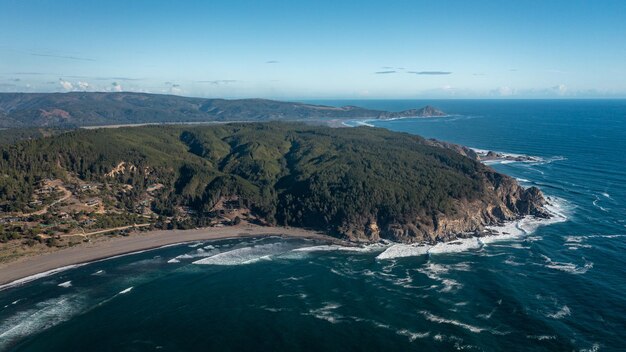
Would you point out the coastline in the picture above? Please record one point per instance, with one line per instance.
(26, 269)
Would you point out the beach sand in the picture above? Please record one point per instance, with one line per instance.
(95, 250)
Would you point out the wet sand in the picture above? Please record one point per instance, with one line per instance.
(87, 252)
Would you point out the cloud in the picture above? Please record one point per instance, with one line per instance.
(116, 87)
(83, 85)
(560, 89)
(174, 88)
(271, 62)
(430, 72)
(384, 72)
(504, 91)
(219, 81)
(63, 57)
(68, 86)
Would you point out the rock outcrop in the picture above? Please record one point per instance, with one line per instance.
(505, 200)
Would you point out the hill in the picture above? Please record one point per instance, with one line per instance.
(78, 109)
(356, 183)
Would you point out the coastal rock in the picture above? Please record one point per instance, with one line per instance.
(506, 201)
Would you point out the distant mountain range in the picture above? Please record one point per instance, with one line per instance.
(78, 109)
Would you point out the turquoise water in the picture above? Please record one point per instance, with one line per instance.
(559, 286)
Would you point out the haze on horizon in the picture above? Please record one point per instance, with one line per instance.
(321, 49)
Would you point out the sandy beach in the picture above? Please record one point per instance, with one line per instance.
(96, 250)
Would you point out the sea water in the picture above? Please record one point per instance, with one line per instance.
(556, 285)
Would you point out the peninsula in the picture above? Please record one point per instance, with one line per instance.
(356, 184)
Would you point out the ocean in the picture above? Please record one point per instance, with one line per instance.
(541, 286)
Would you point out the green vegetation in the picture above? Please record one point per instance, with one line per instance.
(93, 109)
(336, 180)
(14, 135)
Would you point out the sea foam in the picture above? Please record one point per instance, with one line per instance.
(245, 255)
(44, 315)
(39, 276)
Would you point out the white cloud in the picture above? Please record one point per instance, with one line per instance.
(116, 87)
(561, 89)
(66, 85)
(83, 85)
(504, 91)
(175, 89)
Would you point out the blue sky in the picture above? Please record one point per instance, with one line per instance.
(317, 49)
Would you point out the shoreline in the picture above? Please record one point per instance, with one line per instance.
(30, 268)
(18, 272)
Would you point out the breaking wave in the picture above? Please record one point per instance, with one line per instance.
(246, 255)
(44, 315)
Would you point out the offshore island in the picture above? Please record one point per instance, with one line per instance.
(77, 188)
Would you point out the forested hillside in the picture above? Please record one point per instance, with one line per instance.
(360, 183)
(78, 109)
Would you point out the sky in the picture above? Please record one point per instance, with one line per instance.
(317, 49)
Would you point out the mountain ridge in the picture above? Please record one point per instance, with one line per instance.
(83, 109)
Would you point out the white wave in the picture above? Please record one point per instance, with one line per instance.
(403, 250)
(507, 158)
(44, 315)
(557, 208)
(126, 290)
(412, 335)
(576, 242)
(561, 313)
(198, 253)
(594, 348)
(511, 261)
(511, 230)
(567, 267)
(606, 195)
(99, 272)
(456, 246)
(541, 337)
(326, 313)
(450, 285)
(487, 316)
(595, 204)
(431, 317)
(414, 250)
(39, 276)
(245, 255)
(327, 248)
(434, 271)
(65, 284)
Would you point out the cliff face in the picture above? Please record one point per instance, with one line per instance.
(504, 200)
